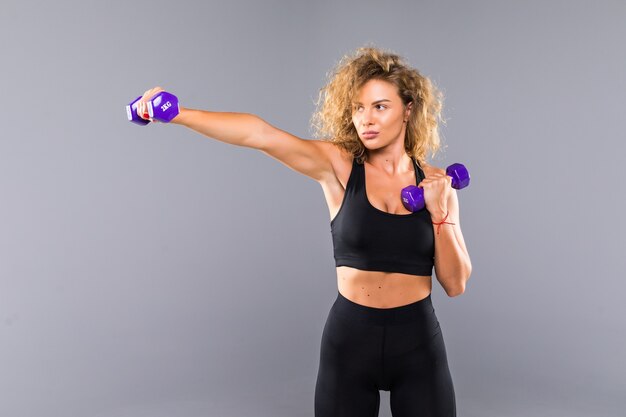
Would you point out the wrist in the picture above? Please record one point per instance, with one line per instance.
(439, 214)
(181, 116)
(441, 221)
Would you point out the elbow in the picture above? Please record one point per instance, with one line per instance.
(459, 289)
(455, 292)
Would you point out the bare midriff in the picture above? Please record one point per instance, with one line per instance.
(382, 289)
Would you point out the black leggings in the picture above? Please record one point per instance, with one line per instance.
(400, 349)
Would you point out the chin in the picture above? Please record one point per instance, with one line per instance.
(370, 142)
(373, 144)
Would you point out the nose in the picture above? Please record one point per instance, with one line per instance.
(366, 118)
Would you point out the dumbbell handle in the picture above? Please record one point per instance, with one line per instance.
(162, 107)
(413, 196)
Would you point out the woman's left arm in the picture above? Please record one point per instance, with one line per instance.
(452, 262)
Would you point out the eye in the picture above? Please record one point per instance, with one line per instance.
(381, 105)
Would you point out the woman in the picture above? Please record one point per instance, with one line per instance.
(379, 118)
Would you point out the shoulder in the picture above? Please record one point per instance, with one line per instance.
(335, 153)
(340, 159)
(331, 148)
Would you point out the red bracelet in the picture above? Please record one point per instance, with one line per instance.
(442, 222)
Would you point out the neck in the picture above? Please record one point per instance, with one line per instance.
(392, 162)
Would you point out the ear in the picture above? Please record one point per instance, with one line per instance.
(409, 106)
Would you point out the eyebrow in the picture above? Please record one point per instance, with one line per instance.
(374, 102)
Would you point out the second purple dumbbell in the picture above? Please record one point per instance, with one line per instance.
(162, 107)
(413, 196)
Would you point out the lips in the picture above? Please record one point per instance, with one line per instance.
(370, 134)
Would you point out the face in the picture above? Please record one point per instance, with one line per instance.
(379, 109)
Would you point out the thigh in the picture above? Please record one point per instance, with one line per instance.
(345, 384)
(422, 384)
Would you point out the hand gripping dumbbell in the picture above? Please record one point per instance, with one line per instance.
(162, 107)
(413, 196)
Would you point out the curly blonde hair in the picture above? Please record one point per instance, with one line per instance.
(332, 119)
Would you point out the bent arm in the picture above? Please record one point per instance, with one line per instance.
(453, 266)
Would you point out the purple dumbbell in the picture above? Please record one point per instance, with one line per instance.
(162, 107)
(413, 196)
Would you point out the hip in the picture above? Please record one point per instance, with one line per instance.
(355, 329)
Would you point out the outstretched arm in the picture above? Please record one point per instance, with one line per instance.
(308, 157)
(312, 158)
(233, 128)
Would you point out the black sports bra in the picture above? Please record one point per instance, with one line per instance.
(367, 238)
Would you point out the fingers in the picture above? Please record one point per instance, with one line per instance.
(142, 104)
(142, 110)
(434, 179)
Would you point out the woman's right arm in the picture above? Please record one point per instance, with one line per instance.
(232, 128)
(308, 157)
(312, 158)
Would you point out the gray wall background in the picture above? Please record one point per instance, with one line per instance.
(151, 271)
